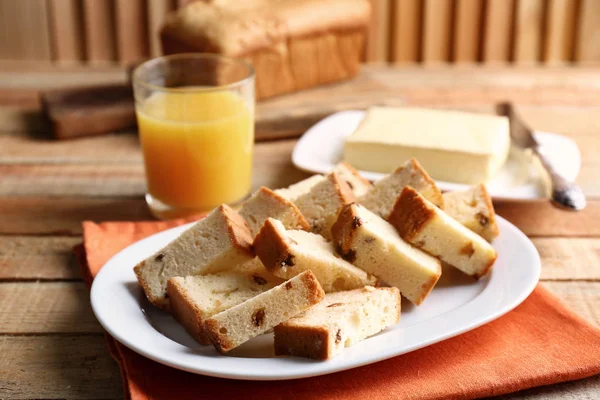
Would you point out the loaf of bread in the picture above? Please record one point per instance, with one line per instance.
(288, 253)
(359, 185)
(232, 327)
(216, 243)
(474, 209)
(372, 244)
(293, 44)
(381, 197)
(322, 204)
(340, 320)
(193, 299)
(265, 203)
(423, 224)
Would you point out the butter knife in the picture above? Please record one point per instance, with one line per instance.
(565, 193)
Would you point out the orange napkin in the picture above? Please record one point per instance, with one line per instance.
(539, 343)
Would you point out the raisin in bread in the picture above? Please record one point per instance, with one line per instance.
(265, 203)
(288, 253)
(372, 244)
(359, 185)
(382, 196)
(340, 320)
(298, 189)
(218, 242)
(232, 327)
(423, 224)
(474, 209)
(321, 205)
(193, 299)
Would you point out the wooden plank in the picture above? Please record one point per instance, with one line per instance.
(587, 49)
(25, 31)
(560, 31)
(48, 307)
(541, 218)
(406, 31)
(132, 39)
(66, 27)
(582, 389)
(38, 258)
(378, 35)
(63, 216)
(569, 258)
(437, 31)
(99, 24)
(582, 297)
(528, 31)
(467, 31)
(157, 9)
(58, 367)
(498, 31)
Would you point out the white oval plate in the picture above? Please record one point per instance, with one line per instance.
(456, 305)
(321, 147)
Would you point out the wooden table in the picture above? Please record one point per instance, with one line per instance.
(51, 346)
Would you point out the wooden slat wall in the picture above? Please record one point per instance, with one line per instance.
(401, 31)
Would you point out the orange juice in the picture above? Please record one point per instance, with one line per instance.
(197, 147)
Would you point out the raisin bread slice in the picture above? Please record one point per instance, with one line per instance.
(193, 299)
(474, 209)
(423, 224)
(340, 320)
(321, 205)
(288, 253)
(357, 183)
(298, 189)
(216, 243)
(265, 203)
(382, 196)
(232, 327)
(371, 243)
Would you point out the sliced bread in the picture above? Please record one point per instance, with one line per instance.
(286, 253)
(193, 299)
(474, 209)
(340, 320)
(216, 243)
(357, 183)
(298, 189)
(321, 205)
(266, 203)
(381, 197)
(423, 224)
(232, 327)
(372, 244)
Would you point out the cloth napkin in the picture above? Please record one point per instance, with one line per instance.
(539, 343)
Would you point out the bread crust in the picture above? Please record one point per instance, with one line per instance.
(490, 207)
(302, 342)
(238, 230)
(272, 247)
(409, 214)
(186, 312)
(344, 229)
(344, 191)
(437, 197)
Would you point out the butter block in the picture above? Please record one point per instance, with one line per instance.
(452, 146)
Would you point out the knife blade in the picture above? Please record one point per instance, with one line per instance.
(565, 193)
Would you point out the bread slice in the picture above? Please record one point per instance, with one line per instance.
(474, 209)
(216, 243)
(340, 320)
(382, 196)
(426, 226)
(288, 253)
(357, 183)
(266, 203)
(321, 205)
(232, 327)
(298, 189)
(195, 298)
(372, 244)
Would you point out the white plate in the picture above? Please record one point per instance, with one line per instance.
(321, 147)
(456, 305)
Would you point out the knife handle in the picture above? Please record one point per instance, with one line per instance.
(565, 193)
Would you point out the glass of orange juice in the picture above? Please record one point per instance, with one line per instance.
(195, 116)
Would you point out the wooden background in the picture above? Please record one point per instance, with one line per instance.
(92, 32)
(51, 345)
